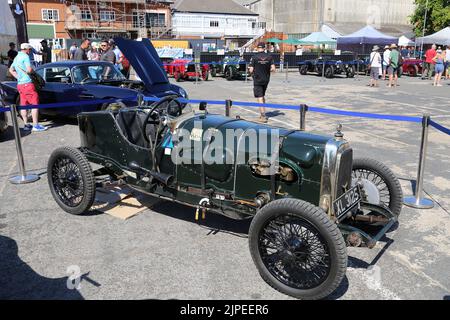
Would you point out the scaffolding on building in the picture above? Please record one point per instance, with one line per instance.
(109, 18)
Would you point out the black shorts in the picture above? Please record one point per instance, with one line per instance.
(259, 90)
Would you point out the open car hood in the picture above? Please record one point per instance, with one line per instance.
(146, 62)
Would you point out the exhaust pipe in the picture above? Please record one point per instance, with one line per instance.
(163, 178)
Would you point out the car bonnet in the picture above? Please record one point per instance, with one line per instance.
(146, 62)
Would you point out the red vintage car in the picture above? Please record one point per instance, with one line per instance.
(184, 69)
(412, 67)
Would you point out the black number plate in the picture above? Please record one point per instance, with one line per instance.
(346, 202)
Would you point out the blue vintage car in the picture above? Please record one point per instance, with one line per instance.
(74, 81)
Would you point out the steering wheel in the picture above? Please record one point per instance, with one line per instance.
(152, 112)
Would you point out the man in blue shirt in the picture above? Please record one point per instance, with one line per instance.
(20, 69)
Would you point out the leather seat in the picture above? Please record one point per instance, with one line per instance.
(131, 122)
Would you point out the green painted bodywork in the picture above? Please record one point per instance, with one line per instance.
(103, 143)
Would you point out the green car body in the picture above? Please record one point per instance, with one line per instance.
(232, 68)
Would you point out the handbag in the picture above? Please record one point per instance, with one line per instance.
(37, 80)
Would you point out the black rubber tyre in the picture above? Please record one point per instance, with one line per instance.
(413, 71)
(329, 72)
(213, 72)
(177, 76)
(390, 186)
(303, 70)
(68, 170)
(331, 244)
(350, 72)
(229, 74)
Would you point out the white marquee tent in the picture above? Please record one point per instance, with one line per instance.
(440, 37)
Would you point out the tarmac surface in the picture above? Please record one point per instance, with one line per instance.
(163, 253)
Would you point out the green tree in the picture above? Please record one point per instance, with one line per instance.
(438, 16)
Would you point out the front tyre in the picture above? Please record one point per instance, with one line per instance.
(297, 249)
(71, 180)
(380, 183)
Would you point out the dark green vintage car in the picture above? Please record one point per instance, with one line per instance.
(232, 68)
(307, 196)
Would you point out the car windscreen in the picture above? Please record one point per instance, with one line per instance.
(96, 73)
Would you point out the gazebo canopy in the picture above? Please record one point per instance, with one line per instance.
(440, 37)
(291, 41)
(404, 41)
(274, 40)
(367, 35)
(317, 38)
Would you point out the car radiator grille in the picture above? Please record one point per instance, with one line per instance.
(344, 174)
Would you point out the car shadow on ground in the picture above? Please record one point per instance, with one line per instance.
(8, 135)
(274, 114)
(20, 281)
(213, 223)
(54, 122)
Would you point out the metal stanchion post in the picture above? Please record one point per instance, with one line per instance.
(303, 109)
(246, 72)
(228, 104)
(417, 201)
(323, 71)
(23, 177)
(197, 72)
(287, 72)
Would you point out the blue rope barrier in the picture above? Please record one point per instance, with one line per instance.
(440, 127)
(4, 109)
(72, 104)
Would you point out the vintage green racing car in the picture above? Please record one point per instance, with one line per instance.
(308, 197)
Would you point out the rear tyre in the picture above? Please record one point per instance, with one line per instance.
(213, 72)
(71, 180)
(177, 76)
(350, 72)
(303, 70)
(329, 72)
(413, 71)
(297, 249)
(229, 74)
(380, 183)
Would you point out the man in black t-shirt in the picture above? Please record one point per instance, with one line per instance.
(12, 53)
(261, 66)
(46, 52)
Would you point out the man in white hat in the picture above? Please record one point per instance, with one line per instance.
(20, 69)
(386, 56)
(394, 60)
(375, 66)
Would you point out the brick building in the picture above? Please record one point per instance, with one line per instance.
(64, 19)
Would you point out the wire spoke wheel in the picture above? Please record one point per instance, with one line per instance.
(380, 184)
(297, 249)
(67, 181)
(294, 252)
(71, 180)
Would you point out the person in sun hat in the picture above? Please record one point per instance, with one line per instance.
(375, 66)
(20, 69)
(394, 59)
(386, 55)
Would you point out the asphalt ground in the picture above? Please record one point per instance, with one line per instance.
(163, 253)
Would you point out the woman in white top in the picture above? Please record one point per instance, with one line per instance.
(447, 63)
(386, 58)
(375, 66)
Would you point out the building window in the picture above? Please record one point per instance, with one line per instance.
(214, 23)
(90, 35)
(107, 15)
(259, 25)
(86, 15)
(50, 14)
(154, 19)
